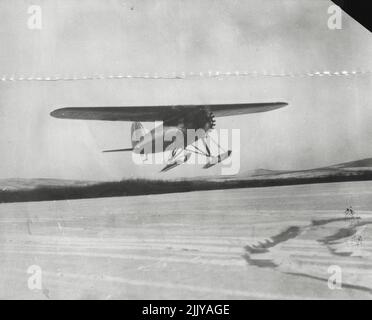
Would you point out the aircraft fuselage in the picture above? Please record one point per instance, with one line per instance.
(167, 138)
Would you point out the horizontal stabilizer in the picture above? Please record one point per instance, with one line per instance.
(118, 150)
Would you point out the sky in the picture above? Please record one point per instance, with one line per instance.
(327, 120)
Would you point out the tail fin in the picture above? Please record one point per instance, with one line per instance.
(137, 133)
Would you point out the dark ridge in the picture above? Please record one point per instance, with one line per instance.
(340, 234)
(316, 223)
(290, 233)
(345, 232)
(356, 164)
(135, 187)
(261, 263)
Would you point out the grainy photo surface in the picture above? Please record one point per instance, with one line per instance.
(173, 149)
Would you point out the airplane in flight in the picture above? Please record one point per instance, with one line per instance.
(178, 121)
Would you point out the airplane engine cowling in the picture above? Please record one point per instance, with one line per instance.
(210, 122)
(199, 120)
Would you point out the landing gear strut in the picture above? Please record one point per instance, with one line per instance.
(211, 159)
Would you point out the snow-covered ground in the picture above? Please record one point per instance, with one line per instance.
(274, 242)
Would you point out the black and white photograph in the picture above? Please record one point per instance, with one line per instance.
(184, 150)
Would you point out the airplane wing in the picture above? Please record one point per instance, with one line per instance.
(160, 113)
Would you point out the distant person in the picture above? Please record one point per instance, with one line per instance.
(349, 211)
